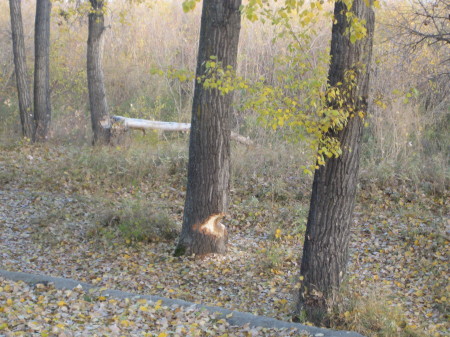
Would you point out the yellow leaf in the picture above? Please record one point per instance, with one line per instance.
(61, 303)
(278, 233)
(125, 323)
(162, 334)
(158, 304)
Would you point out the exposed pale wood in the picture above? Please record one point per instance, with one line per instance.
(241, 139)
(144, 124)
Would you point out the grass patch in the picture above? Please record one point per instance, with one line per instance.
(372, 315)
(136, 221)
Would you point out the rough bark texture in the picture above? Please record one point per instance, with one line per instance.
(325, 251)
(42, 108)
(209, 147)
(25, 103)
(101, 125)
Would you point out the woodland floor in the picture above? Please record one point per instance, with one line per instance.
(51, 223)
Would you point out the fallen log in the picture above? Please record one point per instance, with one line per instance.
(144, 124)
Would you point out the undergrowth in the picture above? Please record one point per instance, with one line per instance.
(140, 191)
(372, 315)
(135, 221)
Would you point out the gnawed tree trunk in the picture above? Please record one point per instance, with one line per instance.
(42, 105)
(101, 125)
(25, 103)
(325, 251)
(209, 147)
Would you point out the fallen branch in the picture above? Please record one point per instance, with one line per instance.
(144, 124)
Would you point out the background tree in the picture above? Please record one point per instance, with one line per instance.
(42, 105)
(25, 104)
(423, 22)
(420, 28)
(101, 125)
(410, 43)
(325, 251)
(209, 147)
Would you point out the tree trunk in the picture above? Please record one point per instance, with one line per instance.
(42, 107)
(325, 251)
(209, 147)
(101, 125)
(25, 103)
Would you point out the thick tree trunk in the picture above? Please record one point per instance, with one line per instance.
(101, 125)
(42, 107)
(209, 147)
(325, 251)
(25, 103)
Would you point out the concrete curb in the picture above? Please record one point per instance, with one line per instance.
(237, 318)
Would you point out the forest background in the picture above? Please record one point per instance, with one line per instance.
(149, 56)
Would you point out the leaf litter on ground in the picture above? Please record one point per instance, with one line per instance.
(48, 215)
(45, 311)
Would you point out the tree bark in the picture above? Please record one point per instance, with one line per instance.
(325, 251)
(209, 147)
(25, 103)
(42, 107)
(101, 125)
